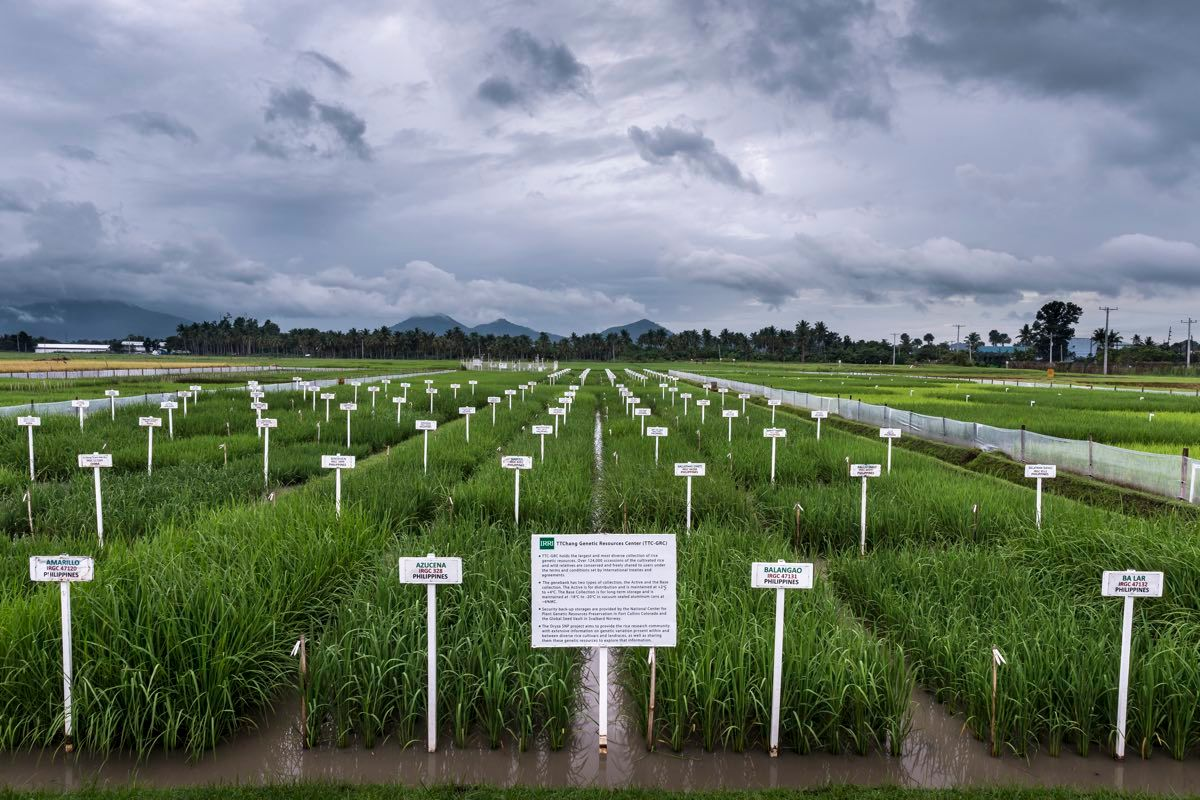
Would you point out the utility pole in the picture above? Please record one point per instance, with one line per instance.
(1189, 322)
(894, 335)
(1106, 310)
(958, 326)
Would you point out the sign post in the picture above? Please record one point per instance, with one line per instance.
(169, 406)
(641, 414)
(703, 404)
(195, 390)
(774, 434)
(779, 576)
(355, 384)
(349, 408)
(556, 412)
(730, 414)
(426, 425)
(516, 464)
(337, 464)
(150, 423)
(29, 423)
(467, 411)
(265, 424)
(456, 387)
(864, 471)
(1040, 472)
(432, 392)
(112, 395)
(95, 462)
(399, 401)
(818, 416)
(374, 390)
(259, 407)
(685, 396)
(689, 470)
(773, 404)
(889, 434)
(472, 384)
(656, 432)
(80, 405)
(185, 394)
(601, 591)
(743, 396)
(542, 431)
(431, 571)
(1128, 584)
(63, 570)
(509, 394)
(328, 396)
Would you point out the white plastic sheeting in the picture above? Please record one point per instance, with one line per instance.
(1151, 472)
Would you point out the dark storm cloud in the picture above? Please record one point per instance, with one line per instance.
(694, 150)
(77, 153)
(10, 202)
(335, 68)
(303, 121)
(814, 51)
(530, 70)
(1139, 60)
(156, 123)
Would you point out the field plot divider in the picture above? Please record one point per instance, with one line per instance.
(1151, 472)
(64, 406)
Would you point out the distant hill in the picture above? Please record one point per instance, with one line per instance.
(73, 320)
(635, 329)
(433, 323)
(440, 323)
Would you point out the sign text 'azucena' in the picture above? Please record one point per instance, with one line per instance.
(431, 569)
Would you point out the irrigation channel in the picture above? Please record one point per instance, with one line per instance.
(208, 692)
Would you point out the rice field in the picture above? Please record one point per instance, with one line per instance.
(206, 582)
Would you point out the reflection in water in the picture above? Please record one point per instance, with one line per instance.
(938, 754)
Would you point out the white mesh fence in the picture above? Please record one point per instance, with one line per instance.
(1167, 475)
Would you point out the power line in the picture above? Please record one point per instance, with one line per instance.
(958, 326)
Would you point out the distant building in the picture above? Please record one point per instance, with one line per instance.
(132, 346)
(995, 350)
(55, 347)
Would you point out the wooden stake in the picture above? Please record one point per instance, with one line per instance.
(650, 714)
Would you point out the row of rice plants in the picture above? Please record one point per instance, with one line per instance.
(368, 667)
(843, 689)
(185, 635)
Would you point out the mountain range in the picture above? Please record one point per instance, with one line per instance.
(73, 320)
(441, 323)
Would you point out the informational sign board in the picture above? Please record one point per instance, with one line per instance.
(94, 460)
(543, 430)
(427, 424)
(655, 430)
(603, 590)
(258, 406)
(431, 570)
(1132, 583)
(866, 470)
(60, 569)
(348, 406)
(729, 413)
(641, 412)
(517, 462)
(111, 393)
(29, 422)
(267, 422)
(466, 410)
(819, 414)
(774, 575)
(168, 405)
(150, 422)
(774, 433)
(686, 469)
(337, 462)
(328, 395)
(889, 433)
(80, 403)
(1041, 471)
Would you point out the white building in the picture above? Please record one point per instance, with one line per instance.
(54, 347)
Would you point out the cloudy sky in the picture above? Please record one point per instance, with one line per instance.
(884, 165)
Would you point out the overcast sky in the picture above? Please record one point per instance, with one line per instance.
(883, 165)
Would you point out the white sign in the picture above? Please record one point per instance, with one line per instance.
(29, 422)
(543, 430)
(889, 433)
(517, 462)
(328, 395)
(431, 570)
(259, 406)
(59, 569)
(168, 405)
(94, 460)
(466, 410)
(729, 413)
(1132, 583)
(774, 402)
(655, 430)
(603, 590)
(337, 462)
(702, 402)
(267, 422)
(819, 414)
(775, 433)
(1041, 471)
(348, 406)
(641, 412)
(111, 393)
(557, 412)
(775, 575)
(743, 396)
(427, 425)
(493, 399)
(688, 469)
(150, 422)
(80, 404)
(866, 470)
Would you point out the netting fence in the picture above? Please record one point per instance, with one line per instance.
(1167, 475)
